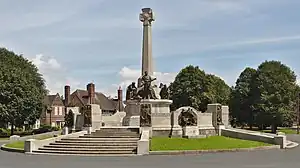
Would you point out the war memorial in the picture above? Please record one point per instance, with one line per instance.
(147, 114)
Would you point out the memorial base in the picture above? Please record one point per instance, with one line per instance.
(190, 131)
(160, 112)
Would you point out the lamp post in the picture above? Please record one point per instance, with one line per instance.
(298, 113)
(49, 110)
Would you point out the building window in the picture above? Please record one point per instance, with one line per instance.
(55, 110)
(60, 110)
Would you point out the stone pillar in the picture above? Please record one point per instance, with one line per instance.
(147, 17)
(91, 93)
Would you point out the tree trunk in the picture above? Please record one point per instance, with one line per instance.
(12, 129)
(274, 128)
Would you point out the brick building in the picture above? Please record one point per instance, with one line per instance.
(80, 98)
(54, 111)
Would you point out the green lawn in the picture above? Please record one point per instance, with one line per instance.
(213, 142)
(6, 138)
(20, 144)
(284, 130)
(16, 144)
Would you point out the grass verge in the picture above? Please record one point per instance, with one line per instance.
(16, 144)
(20, 144)
(210, 143)
(284, 130)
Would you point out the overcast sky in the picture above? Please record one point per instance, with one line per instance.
(80, 41)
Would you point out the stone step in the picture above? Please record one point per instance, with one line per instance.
(114, 133)
(95, 141)
(105, 153)
(119, 129)
(88, 149)
(99, 139)
(84, 154)
(95, 144)
(59, 147)
(109, 136)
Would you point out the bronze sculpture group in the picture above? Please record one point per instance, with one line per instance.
(187, 118)
(145, 90)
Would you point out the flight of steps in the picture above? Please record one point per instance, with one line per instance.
(107, 141)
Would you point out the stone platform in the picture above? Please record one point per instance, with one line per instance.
(160, 112)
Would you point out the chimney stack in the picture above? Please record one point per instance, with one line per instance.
(120, 98)
(120, 94)
(67, 95)
(91, 93)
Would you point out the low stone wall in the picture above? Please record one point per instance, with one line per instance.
(255, 136)
(113, 120)
(177, 131)
(32, 144)
(39, 135)
(209, 131)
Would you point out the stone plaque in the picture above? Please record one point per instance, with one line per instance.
(87, 115)
(145, 119)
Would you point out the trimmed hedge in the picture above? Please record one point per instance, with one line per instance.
(43, 129)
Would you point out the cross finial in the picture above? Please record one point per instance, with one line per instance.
(147, 16)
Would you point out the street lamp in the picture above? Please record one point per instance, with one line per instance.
(49, 110)
(298, 113)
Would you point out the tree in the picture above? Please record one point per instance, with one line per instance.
(275, 94)
(22, 90)
(192, 87)
(217, 88)
(241, 100)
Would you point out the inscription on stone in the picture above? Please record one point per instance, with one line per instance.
(145, 120)
(87, 115)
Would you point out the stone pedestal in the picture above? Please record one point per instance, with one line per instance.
(149, 129)
(65, 131)
(220, 127)
(190, 132)
(132, 117)
(96, 117)
(88, 129)
(160, 112)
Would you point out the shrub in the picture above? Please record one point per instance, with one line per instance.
(44, 129)
(4, 132)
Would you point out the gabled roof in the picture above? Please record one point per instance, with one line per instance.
(100, 99)
(48, 100)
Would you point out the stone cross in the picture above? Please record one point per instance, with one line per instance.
(147, 17)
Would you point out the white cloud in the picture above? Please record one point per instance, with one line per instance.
(54, 74)
(128, 75)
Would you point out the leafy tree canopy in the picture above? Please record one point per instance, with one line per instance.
(265, 97)
(22, 89)
(241, 98)
(192, 87)
(275, 87)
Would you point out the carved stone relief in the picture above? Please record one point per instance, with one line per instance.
(145, 119)
(187, 118)
(87, 115)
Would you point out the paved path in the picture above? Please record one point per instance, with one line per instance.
(256, 159)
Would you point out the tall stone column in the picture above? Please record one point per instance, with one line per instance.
(147, 17)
